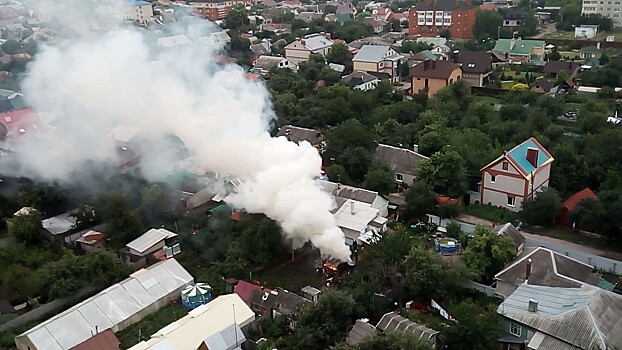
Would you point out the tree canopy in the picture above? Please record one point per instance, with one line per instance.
(488, 252)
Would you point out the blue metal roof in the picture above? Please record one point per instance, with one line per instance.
(519, 155)
(138, 3)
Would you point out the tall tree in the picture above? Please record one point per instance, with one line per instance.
(542, 209)
(26, 228)
(380, 180)
(394, 341)
(487, 24)
(488, 252)
(419, 200)
(476, 328)
(445, 171)
(339, 53)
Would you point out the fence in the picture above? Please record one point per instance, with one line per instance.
(488, 91)
(584, 43)
(464, 227)
(599, 262)
(482, 288)
(45, 309)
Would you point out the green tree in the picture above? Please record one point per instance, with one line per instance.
(380, 180)
(261, 241)
(588, 215)
(419, 200)
(12, 47)
(445, 171)
(124, 224)
(356, 160)
(542, 209)
(394, 341)
(339, 53)
(448, 210)
(476, 328)
(330, 9)
(350, 133)
(487, 24)
(337, 173)
(530, 25)
(26, 228)
(236, 18)
(562, 76)
(488, 253)
(404, 71)
(85, 216)
(322, 324)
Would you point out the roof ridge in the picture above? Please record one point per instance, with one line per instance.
(595, 324)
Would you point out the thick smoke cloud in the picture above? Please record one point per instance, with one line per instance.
(120, 76)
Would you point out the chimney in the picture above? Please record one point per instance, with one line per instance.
(528, 269)
(532, 156)
(598, 45)
(303, 42)
(416, 148)
(352, 209)
(426, 64)
(533, 306)
(328, 36)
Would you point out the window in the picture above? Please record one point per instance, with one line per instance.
(511, 201)
(492, 179)
(399, 177)
(426, 82)
(515, 329)
(504, 165)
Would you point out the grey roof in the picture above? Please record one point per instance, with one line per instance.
(399, 160)
(549, 268)
(339, 68)
(359, 332)
(267, 62)
(298, 134)
(393, 322)
(542, 341)
(229, 338)
(474, 62)
(512, 232)
(259, 49)
(545, 84)
(589, 49)
(348, 192)
(150, 238)
(373, 40)
(59, 224)
(308, 16)
(423, 55)
(288, 303)
(316, 42)
(358, 78)
(586, 317)
(371, 53)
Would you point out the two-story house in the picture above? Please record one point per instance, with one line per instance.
(519, 50)
(138, 11)
(402, 162)
(300, 49)
(476, 66)
(361, 81)
(517, 175)
(513, 18)
(264, 64)
(433, 76)
(377, 58)
(216, 9)
(540, 317)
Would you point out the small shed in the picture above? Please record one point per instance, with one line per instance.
(563, 218)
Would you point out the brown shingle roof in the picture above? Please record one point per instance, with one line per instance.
(553, 67)
(433, 70)
(549, 268)
(400, 160)
(298, 134)
(474, 62)
(105, 340)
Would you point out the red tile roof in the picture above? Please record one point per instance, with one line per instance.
(488, 7)
(21, 123)
(245, 289)
(571, 203)
(105, 340)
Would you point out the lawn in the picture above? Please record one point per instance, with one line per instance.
(569, 235)
(569, 54)
(507, 84)
(292, 276)
(491, 213)
(487, 100)
(150, 324)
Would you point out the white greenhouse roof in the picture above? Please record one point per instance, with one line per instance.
(108, 308)
(150, 238)
(215, 317)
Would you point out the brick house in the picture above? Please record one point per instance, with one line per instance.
(516, 175)
(216, 9)
(431, 17)
(434, 75)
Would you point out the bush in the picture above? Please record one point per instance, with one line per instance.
(448, 210)
(495, 214)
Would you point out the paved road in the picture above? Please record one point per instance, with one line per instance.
(607, 261)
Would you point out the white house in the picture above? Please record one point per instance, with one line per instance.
(377, 58)
(300, 49)
(361, 81)
(139, 11)
(585, 31)
(263, 64)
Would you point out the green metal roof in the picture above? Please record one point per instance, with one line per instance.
(518, 46)
(606, 285)
(223, 208)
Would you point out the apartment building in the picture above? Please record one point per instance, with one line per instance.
(431, 17)
(605, 8)
(216, 9)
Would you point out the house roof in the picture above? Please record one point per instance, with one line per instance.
(245, 289)
(20, 123)
(474, 62)
(393, 322)
(434, 69)
(109, 308)
(512, 232)
(345, 192)
(260, 49)
(360, 331)
(263, 298)
(298, 134)
(571, 203)
(358, 78)
(150, 238)
(443, 5)
(229, 338)
(363, 215)
(200, 198)
(91, 237)
(423, 55)
(174, 40)
(586, 317)
(105, 340)
(267, 62)
(371, 53)
(549, 268)
(288, 303)
(518, 157)
(545, 84)
(59, 224)
(519, 47)
(124, 133)
(589, 49)
(554, 67)
(373, 40)
(398, 159)
(315, 42)
(200, 324)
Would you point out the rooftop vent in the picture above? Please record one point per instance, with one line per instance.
(22, 131)
(533, 306)
(7, 118)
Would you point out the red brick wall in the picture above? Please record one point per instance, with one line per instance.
(461, 19)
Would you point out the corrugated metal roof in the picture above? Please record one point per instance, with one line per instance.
(359, 332)
(586, 317)
(371, 53)
(108, 308)
(392, 321)
(150, 238)
(59, 224)
(398, 159)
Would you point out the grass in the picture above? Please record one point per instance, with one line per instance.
(569, 235)
(487, 100)
(291, 275)
(491, 213)
(150, 324)
(569, 54)
(507, 84)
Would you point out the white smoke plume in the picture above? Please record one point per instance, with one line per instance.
(96, 81)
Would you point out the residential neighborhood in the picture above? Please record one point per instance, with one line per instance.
(300, 174)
